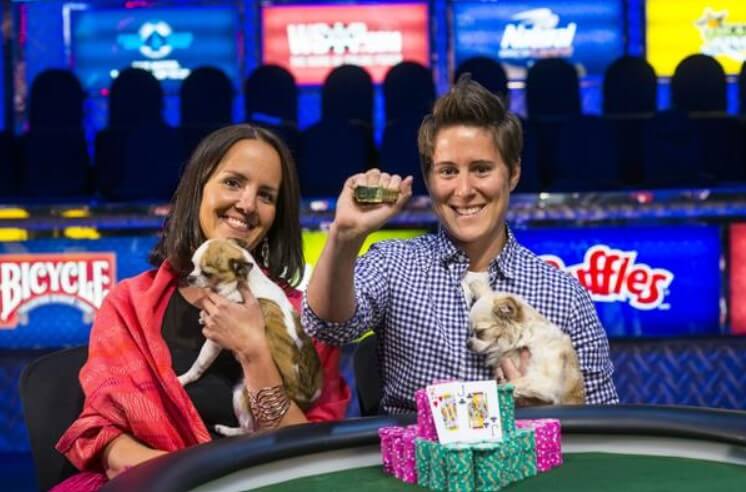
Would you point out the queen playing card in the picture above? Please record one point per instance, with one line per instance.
(466, 412)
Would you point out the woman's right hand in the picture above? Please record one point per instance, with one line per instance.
(354, 221)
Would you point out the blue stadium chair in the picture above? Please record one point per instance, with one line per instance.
(723, 146)
(488, 72)
(138, 156)
(630, 87)
(409, 93)
(52, 399)
(586, 158)
(206, 101)
(530, 181)
(552, 102)
(698, 85)
(673, 154)
(330, 152)
(271, 101)
(341, 143)
(552, 89)
(630, 90)
(8, 165)
(347, 95)
(53, 152)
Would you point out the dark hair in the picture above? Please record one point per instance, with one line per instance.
(470, 104)
(182, 234)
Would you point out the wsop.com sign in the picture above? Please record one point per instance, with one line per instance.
(28, 281)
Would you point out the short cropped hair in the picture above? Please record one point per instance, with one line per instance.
(468, 103)
(182, 233)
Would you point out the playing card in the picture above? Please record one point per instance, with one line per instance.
(466, 412)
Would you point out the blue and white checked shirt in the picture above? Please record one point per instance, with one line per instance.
(409, 292)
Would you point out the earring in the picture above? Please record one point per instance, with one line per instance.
(265, 252)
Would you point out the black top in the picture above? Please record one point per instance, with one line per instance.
(212, 394)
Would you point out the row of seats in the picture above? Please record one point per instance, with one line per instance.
(139, 157)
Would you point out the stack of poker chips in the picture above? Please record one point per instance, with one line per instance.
(507, 407)
(414, 455)
(425, 423)
(398, 452)
(548, 441)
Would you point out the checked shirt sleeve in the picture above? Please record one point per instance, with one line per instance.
(371, 297)
(590, 342)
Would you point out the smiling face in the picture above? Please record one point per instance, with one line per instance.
(470, 187)
(239, 200)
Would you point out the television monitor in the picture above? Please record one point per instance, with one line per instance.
(589, 33)
(675, 30)
(310, 40)
(169, 42)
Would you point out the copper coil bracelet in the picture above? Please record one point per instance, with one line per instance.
(268, 406)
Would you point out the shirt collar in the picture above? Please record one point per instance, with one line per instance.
(448, 252)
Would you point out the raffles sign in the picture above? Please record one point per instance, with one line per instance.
(31, 280)
(310, 41)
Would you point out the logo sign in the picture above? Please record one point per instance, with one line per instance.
(169, 42)
(28, 281)
(721, 37)
(655, 281)
(310, 41)
(536, 34)
(675, 30)
(612, 275)
(155, 40)
(588, 33)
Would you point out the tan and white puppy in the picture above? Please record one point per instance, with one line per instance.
(503, 325)
(220, 264)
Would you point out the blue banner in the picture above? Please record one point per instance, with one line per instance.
(50, 289)
(657, 281)
(588, 33)
(167, 42)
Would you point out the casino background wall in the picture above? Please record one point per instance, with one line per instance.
(676, 340)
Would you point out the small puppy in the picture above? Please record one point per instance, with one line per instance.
(503, 324)
(220, 264)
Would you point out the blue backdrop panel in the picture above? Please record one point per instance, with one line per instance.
(587, 32)
(55, 324)
(167, 41)
(688, 305)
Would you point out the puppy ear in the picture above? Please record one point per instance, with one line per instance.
(507, 308)
(240, 267)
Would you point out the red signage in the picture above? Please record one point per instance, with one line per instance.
(30, 280)
(738, 278)
(310, 41)
(612, 275)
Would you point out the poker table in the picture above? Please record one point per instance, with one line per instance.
(606, 448)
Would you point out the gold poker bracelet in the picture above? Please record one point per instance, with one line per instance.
(375, 194)
(268, 406)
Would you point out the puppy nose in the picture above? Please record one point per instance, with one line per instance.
(191, 279)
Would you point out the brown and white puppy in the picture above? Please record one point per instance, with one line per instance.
(220, 264)
(503, 325)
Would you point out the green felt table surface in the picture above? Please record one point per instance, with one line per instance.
(598, 472)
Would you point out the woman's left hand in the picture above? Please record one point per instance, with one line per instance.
(239, 328)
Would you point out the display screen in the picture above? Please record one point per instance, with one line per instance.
(645, 281)
(310, 40)
(737, 283)
(675, 30)
(169, 42)
(590, 34)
